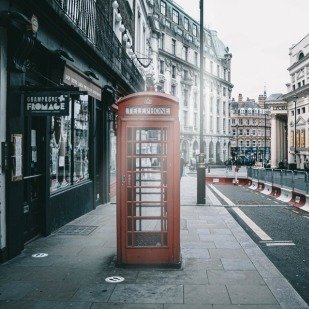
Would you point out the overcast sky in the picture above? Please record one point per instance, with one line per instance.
(259, 34)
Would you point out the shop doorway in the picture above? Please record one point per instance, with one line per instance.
(34, 177)
(99, 154)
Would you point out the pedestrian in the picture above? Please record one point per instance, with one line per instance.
(306, 165)
(182, 166)
(236, 174)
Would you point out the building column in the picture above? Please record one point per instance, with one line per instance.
(273, 143)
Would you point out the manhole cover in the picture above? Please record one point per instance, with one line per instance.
(114, 279)
(39, 255)
(76, 230)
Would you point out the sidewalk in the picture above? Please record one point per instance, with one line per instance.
(222, 267)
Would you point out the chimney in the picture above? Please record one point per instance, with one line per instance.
(240, 97)
(262, 99)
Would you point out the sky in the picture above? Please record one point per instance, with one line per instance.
(259, 34)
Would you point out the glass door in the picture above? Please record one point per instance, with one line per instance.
(147, 187)
(33, 177)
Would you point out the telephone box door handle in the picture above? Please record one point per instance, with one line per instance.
(123, 179)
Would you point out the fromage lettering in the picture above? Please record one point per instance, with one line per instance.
(48, 104)
(45, 106)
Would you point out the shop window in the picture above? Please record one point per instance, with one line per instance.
(69, 146)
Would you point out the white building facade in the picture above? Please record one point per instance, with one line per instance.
(297, 100)
(176, 71)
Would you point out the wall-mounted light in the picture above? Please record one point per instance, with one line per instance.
(12, 16)
(91, 74)
(64, 54)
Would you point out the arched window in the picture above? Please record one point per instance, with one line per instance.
(301, 56)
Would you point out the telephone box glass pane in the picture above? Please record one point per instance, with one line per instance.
(147, 187)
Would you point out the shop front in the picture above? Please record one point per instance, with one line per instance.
(58, 150)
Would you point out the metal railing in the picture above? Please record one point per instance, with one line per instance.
(287, 179)
(91, 19)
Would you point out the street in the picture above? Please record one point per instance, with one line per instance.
(287, 228)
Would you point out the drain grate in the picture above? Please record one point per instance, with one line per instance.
(76, 230)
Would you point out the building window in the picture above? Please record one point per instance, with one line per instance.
(173, 90)
(253, 143)
(186, 23)
(185, 99)
(211, 104)
(173, 46)
(195, 58)
(195, 99)
(195, 80)
(195, 121)
(162, 41)
(69, 146)
(248, 132)
(185, 53)
(248, 143)
(175, 16)
(163, 8)
(161, 66)
(218, 106)
(211, 67)
(168, 24)
(240, 131)
(292, 113)
(185, 118)
(194, 30)
(218, 70)
(303, 110)
(185, 75)
(173, 71)
(253, 132)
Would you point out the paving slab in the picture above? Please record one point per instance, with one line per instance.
(206, 294)
(147, 293)
(250, 294)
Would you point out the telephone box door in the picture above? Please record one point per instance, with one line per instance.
(148, 205)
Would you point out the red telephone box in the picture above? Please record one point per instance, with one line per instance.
(148, 180)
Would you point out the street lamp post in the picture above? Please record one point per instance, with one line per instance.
(236, 143)
(295, 97)
(201, 159)
(265, 114)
